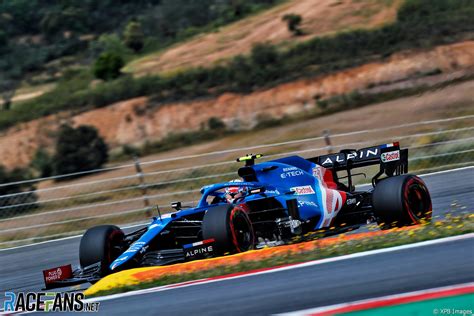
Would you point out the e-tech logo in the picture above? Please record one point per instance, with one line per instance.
(291, 172)
(47, 302)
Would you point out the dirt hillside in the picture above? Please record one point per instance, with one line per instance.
(320, 17)
(136, 120)
(451, 101)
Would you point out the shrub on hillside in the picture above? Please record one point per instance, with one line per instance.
(133, 36)
(293, 21)
(108, 65)
(79, 149)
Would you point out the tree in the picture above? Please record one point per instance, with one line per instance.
(110, 43)
(15, 198)
(108, 66)
(79, 149)
(293, 21)
(133, 36)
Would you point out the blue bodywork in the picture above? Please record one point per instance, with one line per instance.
(278, 177)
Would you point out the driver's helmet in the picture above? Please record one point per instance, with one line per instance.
(233, 193)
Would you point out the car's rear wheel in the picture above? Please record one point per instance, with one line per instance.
(401, 201)
(230, 227)
(101, 244)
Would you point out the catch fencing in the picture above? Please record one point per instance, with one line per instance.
(129, 193)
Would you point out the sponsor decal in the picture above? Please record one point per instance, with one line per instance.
(199, 249)
(303, 190)
(290, 174)
(368, 153)
(56, 274)
(272, 191)
(307, 203)
(330, 160)
(47, 302)
(136, 246)
(390, 156)
(362, 154)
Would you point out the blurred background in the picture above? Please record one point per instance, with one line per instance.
(109, 108)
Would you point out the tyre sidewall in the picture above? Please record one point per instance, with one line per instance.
(390, 203)
(97, 245)
(218, 224)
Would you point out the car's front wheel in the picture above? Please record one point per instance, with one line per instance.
(230, 227)
(100, 244)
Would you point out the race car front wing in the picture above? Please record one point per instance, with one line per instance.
(64, 276)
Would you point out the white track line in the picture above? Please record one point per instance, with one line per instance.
(335, 307)
(65, 238)
(296, 266)
(71, 237)
(446, 171)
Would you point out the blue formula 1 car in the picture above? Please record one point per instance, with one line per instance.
(274, 202)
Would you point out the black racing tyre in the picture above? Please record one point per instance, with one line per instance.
(230, 227)
(401, 201)
(100, 244)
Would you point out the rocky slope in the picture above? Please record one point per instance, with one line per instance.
(136, 120)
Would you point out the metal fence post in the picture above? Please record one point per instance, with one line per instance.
(142, 184)
(327, 140)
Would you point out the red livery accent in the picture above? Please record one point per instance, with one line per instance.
(56, 274)
(397, 300)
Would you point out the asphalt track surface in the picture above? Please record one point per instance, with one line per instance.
(20, 269)
(307, 287)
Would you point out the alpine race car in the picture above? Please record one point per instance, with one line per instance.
(274, 202)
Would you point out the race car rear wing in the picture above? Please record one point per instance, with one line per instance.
(390, 157)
